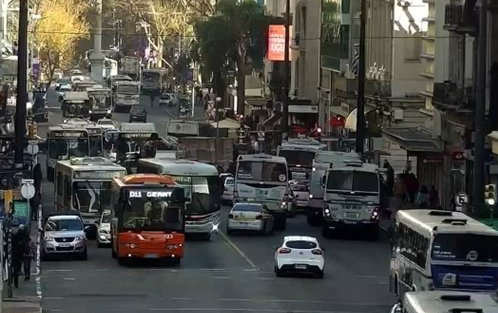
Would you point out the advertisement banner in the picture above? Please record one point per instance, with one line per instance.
(477, 278)
(276, 43)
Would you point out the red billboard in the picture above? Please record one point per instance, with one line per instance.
(276, 43)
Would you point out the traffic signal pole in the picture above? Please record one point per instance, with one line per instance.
(478, 178)
(360, 106)
(285, 106)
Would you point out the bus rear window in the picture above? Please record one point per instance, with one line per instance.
(465, 247)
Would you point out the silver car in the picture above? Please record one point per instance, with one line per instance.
(104, 229)
(250, 217)
(63, 235)
(227, 196)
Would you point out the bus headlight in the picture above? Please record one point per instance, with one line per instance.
(310, 196)
(283, 205)
(327, 212)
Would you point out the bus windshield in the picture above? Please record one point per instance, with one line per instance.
(128, 89)
(465, 248)
(262, 171)
(205, 193)
(358, 181)
(303, 158)
(64, 148)
(96, 145)
(153, 210)
(92, 196)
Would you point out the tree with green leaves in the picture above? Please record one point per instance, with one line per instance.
(234, 37)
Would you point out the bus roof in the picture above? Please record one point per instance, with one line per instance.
(145, 179)
(65, 127)
(356, 165)
(262, 157)
(302, 144)
(429, 221)
(327, 157)
(138, 127)
(181, 167)
(126, 83)
(98, 89)
(449, 301)
(75, 96)
(90, 164)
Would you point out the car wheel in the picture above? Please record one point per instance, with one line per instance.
(122, 261)
(99, 245)
(229, 232)
(84, 255)
(278, 272)
(207, 237)
(319, 274)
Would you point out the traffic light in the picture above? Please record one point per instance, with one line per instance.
(490, 194)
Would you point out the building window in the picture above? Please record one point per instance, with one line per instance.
(346, 7)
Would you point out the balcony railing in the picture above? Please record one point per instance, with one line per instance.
(377, 88)
(448, 95)
(461, 19)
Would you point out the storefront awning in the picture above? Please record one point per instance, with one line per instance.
(414, 140)
(338, 110)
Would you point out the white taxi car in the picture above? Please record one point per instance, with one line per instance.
(299, 254)
(249, 217)
(104, 229)
(227, 196)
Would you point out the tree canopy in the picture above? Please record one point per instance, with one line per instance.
(56, 34)
(232, 38)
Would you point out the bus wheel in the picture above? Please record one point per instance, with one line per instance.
(176, 261)
(50, 174)
(280, 222)
(113, 253)
(122, 261)
(207, 237)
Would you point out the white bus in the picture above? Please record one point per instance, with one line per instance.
(84, 184)
(322, 162)
(299, 154)
(444, 301)
(352, 198)
(202, 184)
(263, 178)
(442, 250)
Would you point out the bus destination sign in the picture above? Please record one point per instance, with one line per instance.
(94, 131)
(96, 175)
(136, 135)
(68, 133)
(149, 194)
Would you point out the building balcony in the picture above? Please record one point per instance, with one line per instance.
(448, 96)
(461, 19)
(377, 88)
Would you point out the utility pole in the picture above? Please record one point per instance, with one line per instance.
(97, 57)
(22, 85)
(478, 179)
(360, 105)
(285, 107)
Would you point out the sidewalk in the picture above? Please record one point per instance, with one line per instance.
(27, 298)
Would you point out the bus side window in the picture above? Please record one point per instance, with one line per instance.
(59, 183)
(67, 192)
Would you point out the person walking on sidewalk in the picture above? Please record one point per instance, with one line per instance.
(28, 257)
(20, 241)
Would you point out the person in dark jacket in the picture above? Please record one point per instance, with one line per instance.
(20, 242)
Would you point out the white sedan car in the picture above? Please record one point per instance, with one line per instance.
(299, 254)
(104, 230)
(249, 217)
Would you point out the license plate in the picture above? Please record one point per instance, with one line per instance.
(352, 207)
(300, 266)
(351, 215)
(65, 245)
(151, 256)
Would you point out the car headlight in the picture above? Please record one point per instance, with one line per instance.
(109, 111)
(49, 238)
(80, 237)
(90, 111)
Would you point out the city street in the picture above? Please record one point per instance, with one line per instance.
(227, 274)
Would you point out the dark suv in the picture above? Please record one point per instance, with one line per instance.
(138, 113)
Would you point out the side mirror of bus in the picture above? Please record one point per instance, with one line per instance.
(324, 178)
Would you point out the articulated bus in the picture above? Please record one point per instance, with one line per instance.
(262, 178)
(65, 141)
(321, 163)
(442, 250)
(202, 184)
(299, 153)
(147, 218)
(84, 184)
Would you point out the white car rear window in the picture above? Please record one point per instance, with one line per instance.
(301, 244)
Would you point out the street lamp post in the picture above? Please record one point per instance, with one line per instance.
(217, 106)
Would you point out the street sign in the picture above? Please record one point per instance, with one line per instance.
(27, 181)
(28, 191)
(461, 198)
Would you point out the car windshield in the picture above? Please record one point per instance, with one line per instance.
(154, 210)
(105, 122)
(245, 207)
(106, 219)
(70, 224)
(303, 158)
(64, 81)
(465, 248)
(205, 193)
(91, 196)
(262, 171)
(358, 181)
(61, 149)
(128, 89)
(301, 244)
(138, 109)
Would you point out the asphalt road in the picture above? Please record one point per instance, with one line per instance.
(227, 274)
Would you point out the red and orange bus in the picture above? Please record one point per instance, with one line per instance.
(147, 218)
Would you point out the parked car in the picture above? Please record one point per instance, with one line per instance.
(227, 196)
(138, 113)
(64, 234)
(104, 229)
(299, 254)
(250, 217)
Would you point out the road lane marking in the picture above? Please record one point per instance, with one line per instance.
(69, 278)
(181, 299)
(53, 298)
(220, 277)
(232, 245)
(59, 271)
(283, 301)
